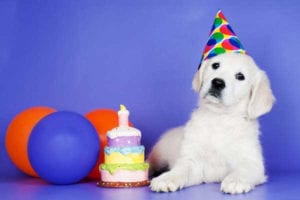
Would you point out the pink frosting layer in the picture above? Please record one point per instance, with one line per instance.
(124, 176)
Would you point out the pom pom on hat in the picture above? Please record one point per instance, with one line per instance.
(222, 39)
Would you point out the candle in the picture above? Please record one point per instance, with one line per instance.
(123, 116)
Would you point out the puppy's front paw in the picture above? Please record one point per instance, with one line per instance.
(167, 182)
(232, 184)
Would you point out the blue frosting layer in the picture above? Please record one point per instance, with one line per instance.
(124, 150)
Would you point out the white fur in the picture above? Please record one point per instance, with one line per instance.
(220, 142)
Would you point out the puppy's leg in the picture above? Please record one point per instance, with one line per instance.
(186, 171)
(165, 152)
(237, 182)
(244, 178)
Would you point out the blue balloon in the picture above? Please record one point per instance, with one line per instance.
(63, 147)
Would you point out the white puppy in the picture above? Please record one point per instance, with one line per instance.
(220, 143)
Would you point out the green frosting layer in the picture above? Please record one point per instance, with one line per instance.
(114, 167)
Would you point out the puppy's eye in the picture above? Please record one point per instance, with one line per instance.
(239, 76)
(215, 65)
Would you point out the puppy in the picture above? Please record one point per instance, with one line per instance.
(220, 142)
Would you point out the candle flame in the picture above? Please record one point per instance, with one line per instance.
(122, 107)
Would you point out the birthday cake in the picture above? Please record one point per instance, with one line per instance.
(124, 157)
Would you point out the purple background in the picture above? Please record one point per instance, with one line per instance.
(88, 54)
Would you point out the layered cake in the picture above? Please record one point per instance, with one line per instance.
(124, 157)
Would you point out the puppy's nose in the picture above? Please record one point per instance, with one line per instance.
(218, 83)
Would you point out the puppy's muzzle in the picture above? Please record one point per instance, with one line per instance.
(217, 85)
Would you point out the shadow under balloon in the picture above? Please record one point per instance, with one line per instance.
(36, 188)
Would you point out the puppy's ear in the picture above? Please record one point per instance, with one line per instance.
(198, 78)
(261, 97)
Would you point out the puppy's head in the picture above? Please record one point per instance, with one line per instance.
(232, 79)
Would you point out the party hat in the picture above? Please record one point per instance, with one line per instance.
(222, 39)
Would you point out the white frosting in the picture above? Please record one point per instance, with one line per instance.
(122, 131)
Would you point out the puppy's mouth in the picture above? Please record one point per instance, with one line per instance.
(215, 93)
(213, 96)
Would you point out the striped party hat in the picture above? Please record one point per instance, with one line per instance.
(222, 39)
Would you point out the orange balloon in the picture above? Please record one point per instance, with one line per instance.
(17, 136)
(103, 120)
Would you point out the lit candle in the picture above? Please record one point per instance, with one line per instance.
(123, 116)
